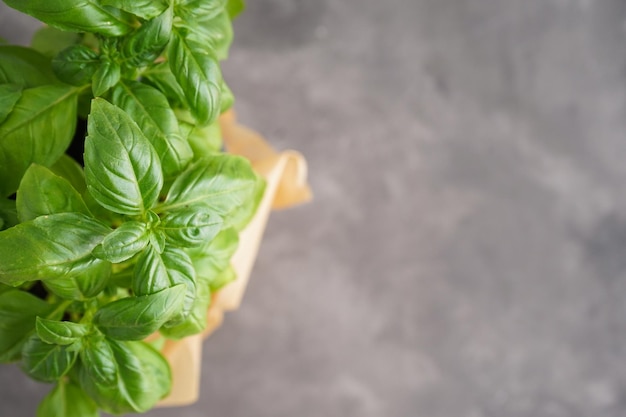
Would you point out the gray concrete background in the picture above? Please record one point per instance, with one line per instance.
(465, 254)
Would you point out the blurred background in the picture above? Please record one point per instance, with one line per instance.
(465, 255)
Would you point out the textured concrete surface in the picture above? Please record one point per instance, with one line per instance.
(465, 255)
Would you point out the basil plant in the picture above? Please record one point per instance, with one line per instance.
(119, 210)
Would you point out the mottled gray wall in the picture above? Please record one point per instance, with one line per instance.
(465, 254)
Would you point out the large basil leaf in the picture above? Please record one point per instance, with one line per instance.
(69, 169)
(18, 311)
(206, 9)
(98, 360)
(50, 41)
(76, 15)
(161, 77)
(122, 169)
(67, 400)
(9, 95)
(76, 64)
(49, 246)
(39, 129)
(46, 362)
(92, 278)
(150, 110)
(222, 184)
(146, 9)
(140, 375)
(42, 192)
(191, 227)
(135, 318)
(156, 271)
(216, 33)
(125, 241)
(60, 332)
(24, 67)
(146, 43)
(198, 73)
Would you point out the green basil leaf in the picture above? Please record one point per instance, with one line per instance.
(39, 129)
(146, 44)
(204, 140)
(105, 77)
(215, 32)
(206, 9)
(191, 227)
(67, 400)
(196, 320)
(150, 110)
(156, 271)
(76, 15)
(24, 67)
(223, 278)
(42, 192)
(124, 243)
(122, 168)
(69, 169)
(161, 77)
(141, 378)
(81, 285)
(146, 9)
(9, 95)
(222, 184)
(46, 362)
(18, 311)
(135, 318)
(235, 7)
(98, 361)
(212, 259)
(8, 213)
(49, 246)
(76, 64)
(227, 98)
(60, 332)
(198, 73)
(50, 41)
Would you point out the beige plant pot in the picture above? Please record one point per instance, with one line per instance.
(285, 173)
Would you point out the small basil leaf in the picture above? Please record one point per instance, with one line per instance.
(142, 378)
(222, 184)
(98, 361)
(135, 318)
(212, 259)
(227, 98)
(49, 246)
(124, 243)
(224, 278)
(67, 400)
(50, 41)
(24, 67)
(46, 362)
(235, 7)
(81, 285)
(215, 32)
(60, 332)
(39, 129)
(150, 110)
(76, 64)
(18, 311)
(196, 320)
(105, 77)
(76, 16)
(204, 140)
(146, 44)
(161, 77)
(191, 227)
(146, 9)
(156, 271)
(69, 169)
(122, 169)
(42, 192)
(198, 73)
(9, 95)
